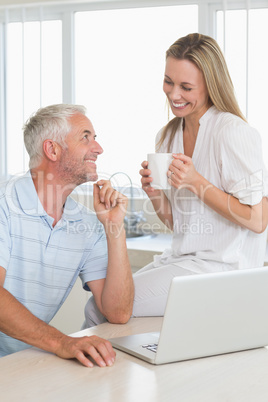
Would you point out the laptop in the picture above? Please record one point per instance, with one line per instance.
(206, 315)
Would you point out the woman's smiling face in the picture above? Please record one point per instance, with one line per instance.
(185, 88)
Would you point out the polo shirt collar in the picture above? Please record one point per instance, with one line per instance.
(27, 196)
(72, 210)
(31, 205)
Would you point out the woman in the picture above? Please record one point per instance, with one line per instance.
(217, 206)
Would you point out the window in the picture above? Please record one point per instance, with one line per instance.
(119, 70)
(247, 59)
(33, 79)
(110, 57)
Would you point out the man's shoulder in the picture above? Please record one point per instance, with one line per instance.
(86, 214)
(82, 220)
(9, 186)
(3, 191)
(3, 184)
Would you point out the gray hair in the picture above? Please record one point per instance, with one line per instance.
(51, 122)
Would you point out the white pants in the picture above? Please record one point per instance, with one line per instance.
(152, 285)
(151, 291)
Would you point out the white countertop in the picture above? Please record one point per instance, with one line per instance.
(157, 242)
(33, 375)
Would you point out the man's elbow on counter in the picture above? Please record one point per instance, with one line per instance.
(119, 317)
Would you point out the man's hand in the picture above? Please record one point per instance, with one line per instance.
(109, 204)
(100, 350)
(19, 323)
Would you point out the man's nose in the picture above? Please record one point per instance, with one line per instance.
(97, 148)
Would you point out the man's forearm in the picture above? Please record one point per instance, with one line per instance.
(118, 292)
(19, 323)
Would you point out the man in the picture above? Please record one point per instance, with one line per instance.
(47, 240)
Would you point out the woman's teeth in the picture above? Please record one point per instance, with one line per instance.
(179, 104)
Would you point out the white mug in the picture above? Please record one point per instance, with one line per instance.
(159, 163)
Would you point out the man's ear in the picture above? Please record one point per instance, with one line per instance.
(51, 150)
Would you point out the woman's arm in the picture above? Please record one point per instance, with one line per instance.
(183, 174)
(158, 198)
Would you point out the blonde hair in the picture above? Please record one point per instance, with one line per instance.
(205, 53)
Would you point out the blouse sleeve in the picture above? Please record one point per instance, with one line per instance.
(243, 173)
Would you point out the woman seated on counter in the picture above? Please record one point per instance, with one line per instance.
(218, 179)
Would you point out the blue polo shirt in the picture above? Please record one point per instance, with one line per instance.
(42, 263)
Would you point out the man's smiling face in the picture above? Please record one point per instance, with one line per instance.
(77, 162)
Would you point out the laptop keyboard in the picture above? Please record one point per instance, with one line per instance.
(152, 347)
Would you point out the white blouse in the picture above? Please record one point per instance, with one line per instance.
(228, 154)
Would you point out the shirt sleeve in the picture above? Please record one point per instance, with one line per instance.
(243, 173)
(96, 262)
(5, 241)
